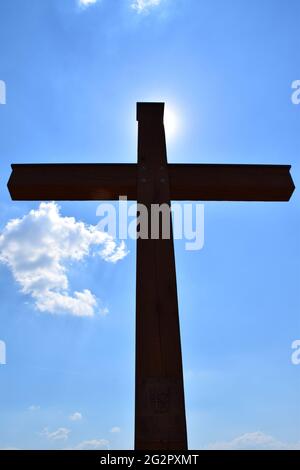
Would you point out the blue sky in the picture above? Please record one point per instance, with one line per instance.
(73, 75)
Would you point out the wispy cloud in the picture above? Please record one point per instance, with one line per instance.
(254, 441)
(76, 416)
(143, 6)
(34, 408)
(140, 6)
(61, 434)
(86, 3)
(37, 249)
(93, 444)
(115, 430)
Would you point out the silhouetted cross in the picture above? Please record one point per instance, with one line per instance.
(160, 421)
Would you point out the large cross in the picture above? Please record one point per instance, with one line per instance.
(160, 421)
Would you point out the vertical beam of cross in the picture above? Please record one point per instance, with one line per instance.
(160, 421)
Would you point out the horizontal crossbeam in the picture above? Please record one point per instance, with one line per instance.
(72, 182)
(194, 182)
(217, 182)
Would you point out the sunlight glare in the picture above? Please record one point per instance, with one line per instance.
(171, 123)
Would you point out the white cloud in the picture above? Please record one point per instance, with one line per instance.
(34, 408)
(86, 3)
(76, 416)
(37, 249)
(140, 6)
(115, 430)
(254, 441)
(143, 6)
(59, 434)
(93, 444)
